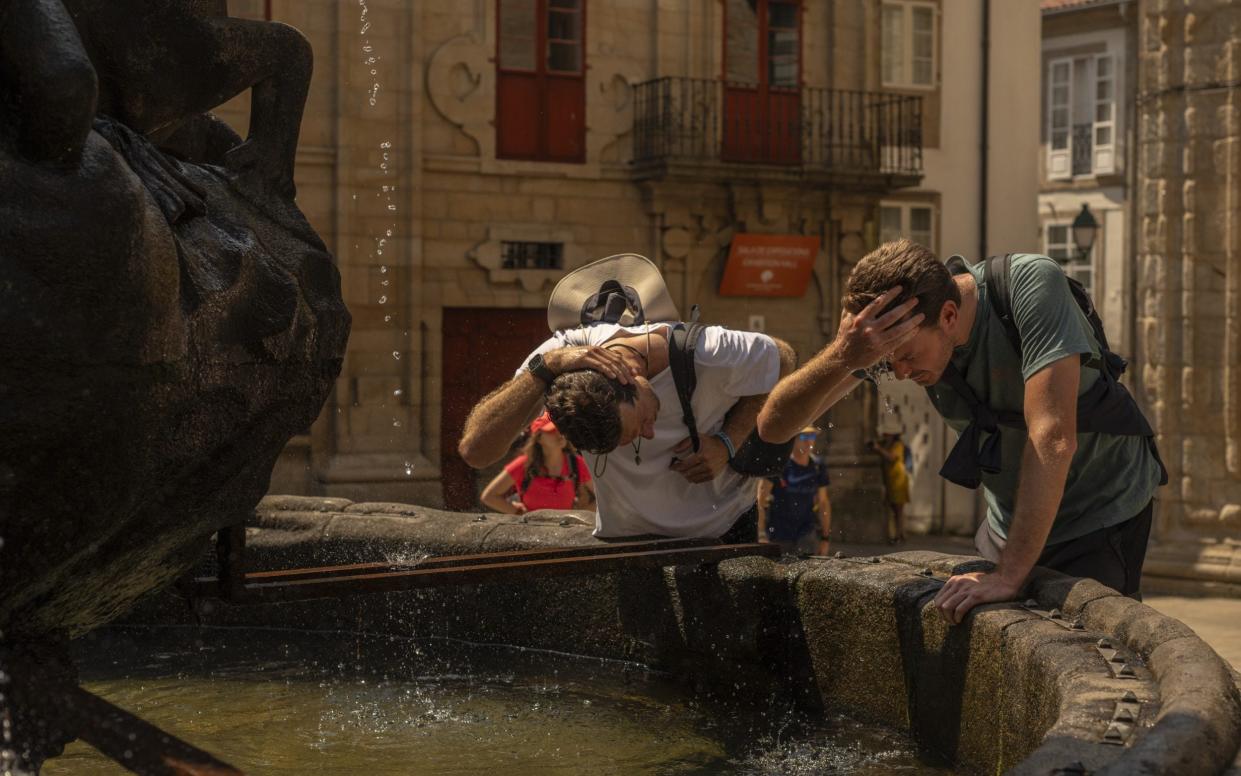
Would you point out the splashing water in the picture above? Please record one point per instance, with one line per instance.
(406, 558)
(371, 57)
(881, 371)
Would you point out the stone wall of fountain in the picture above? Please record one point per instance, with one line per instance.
(1010, 690)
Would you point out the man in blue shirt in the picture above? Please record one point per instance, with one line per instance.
(793, 509)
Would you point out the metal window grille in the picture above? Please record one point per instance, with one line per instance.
(532, 255)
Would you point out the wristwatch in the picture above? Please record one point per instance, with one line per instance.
(539, 369)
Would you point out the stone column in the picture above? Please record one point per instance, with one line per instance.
(1189, 250)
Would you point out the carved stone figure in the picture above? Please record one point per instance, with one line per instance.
(169, 318)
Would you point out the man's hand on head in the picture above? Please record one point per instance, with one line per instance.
(606, 361)
(866, 337)
(963, 592)
(703, 466)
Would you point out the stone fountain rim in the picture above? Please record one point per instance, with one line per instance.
(1197, 728)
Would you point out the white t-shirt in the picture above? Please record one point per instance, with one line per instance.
(650, 498)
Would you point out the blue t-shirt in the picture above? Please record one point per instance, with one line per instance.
(792, 500)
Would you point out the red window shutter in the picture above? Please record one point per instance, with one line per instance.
(517, 116)
(565, 120)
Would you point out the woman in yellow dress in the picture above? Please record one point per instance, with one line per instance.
(891, 449)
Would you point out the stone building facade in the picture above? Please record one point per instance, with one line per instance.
(459, 155)
(1189, 280)
(1087, 151)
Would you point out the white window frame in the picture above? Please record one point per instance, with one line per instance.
(1066, 254)
(1102, 155)
(906, 209)
(1060, 160)
(904, 78)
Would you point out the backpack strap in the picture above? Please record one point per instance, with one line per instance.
(998, 273)
(682, 341)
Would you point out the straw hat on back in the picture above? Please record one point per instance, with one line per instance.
(626, 289)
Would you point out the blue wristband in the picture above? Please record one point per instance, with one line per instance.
(732, 451)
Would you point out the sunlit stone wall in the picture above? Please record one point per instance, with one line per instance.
(1189, 283)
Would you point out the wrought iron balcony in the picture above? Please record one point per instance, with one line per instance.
(696, 127)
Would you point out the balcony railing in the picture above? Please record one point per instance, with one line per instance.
(808, 130)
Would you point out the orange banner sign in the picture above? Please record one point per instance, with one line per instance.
(769, 265)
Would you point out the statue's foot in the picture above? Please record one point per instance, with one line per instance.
(259, 167)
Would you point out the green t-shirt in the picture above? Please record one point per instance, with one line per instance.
(1112, 477)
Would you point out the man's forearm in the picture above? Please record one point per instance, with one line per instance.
(805, 395)
(498, 419)
(1044, 470)
(741, 418)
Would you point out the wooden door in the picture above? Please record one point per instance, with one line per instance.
(762, 81)
(482, 347)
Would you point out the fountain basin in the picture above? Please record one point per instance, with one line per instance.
(1009, 690)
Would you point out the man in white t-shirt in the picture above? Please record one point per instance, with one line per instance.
(610, 391)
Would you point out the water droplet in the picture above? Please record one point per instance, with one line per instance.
(388, 233)
(385, 144)
(387, 319)
(392, 207)
(409, 469)
(383, 283)
(383, 300)
(397, 392)
(396, 424)
(396, 354)
(383, 269)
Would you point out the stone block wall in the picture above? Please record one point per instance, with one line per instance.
(1189, 282)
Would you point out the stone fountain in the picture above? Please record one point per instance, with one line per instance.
(170, 319)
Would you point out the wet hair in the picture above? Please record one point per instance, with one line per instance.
(585, 406)
(906, 264)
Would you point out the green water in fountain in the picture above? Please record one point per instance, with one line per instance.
(285, 702)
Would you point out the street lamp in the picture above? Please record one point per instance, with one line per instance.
(1085, 227)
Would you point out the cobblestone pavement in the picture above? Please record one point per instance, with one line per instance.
(1216, 619)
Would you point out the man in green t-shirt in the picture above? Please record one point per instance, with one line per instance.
(1068, 466)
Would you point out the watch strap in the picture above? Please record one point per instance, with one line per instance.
(539, 369)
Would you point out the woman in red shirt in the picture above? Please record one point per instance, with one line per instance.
(530, 475)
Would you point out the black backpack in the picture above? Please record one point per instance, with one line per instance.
(998, 270)
(754, 458)
(1105, 407)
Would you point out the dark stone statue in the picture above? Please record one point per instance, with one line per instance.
(168, 319)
